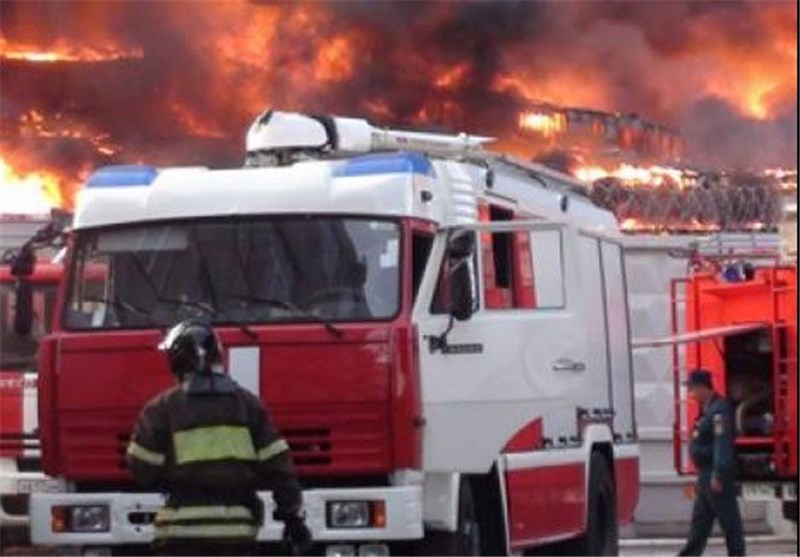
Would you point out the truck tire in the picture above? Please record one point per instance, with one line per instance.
(602, 535)
(790, 511)
(466, 540)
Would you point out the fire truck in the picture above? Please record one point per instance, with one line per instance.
(739, 321)
(440, 333)
(743, 325)
(23, 321)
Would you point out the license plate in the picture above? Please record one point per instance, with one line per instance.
(39, 485)
(758, 491)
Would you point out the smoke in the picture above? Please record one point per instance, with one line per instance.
(720, 138)
(724, 73)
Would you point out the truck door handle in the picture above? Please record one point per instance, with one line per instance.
(565, 364)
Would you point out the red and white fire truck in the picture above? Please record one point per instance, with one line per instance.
(20, 332)
(441, 334)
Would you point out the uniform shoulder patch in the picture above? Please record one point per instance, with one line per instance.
(719, 424)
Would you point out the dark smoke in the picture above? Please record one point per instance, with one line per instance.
(650, 58)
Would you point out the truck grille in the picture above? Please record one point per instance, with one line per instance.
(332, 439)
(15, 444)
(337, 439)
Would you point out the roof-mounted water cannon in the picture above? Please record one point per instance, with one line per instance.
(279, 138)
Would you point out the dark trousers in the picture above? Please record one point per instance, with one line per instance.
(202, 547)
(708, 506)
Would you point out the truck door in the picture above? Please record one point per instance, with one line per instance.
(519, 358)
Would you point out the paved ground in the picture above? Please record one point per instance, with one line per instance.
(756, 545)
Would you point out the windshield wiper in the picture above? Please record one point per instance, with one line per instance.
(208, 309)
(285, 304)
(212, 312)
(120, 304)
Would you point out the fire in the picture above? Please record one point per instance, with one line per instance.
(651, 176)
(63, 51)
(34, 193)
(546, 124)
(193, 123)
(452, 77)
(626, 85)
(335, 60)
(33, 124)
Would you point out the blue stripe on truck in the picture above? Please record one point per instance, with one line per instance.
(122, 175)
(386, 163)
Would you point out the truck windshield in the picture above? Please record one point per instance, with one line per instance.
(19, 353)
(294, 269)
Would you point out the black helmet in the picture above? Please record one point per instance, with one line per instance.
(192, 347)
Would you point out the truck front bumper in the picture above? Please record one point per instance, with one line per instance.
(130, 516)
(15, 489)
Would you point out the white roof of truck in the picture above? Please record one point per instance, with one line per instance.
(392, 184)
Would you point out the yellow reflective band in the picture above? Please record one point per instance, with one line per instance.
(145, 455)
(207, 512)
(204, 444)
(206, 531)
(273, 449)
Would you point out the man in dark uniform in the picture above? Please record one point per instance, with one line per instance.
(713, 454)
(208, 444)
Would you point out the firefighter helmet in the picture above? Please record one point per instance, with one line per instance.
(192, 346)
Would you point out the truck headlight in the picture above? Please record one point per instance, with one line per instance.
(90, 518)
(81, 518)
(356, 514)
(348, 514)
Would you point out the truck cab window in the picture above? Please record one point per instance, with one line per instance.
(292, 268)
(421, 244)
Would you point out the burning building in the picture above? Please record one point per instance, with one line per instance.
(99, 83)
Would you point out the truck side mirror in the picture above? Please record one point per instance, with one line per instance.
(462, 301)
(23, 312)
(461, 245)
(22, 268)
(460, 248)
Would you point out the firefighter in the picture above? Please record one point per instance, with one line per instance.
(713, 453)
(208, 445)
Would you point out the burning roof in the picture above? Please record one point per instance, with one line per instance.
(95, 83)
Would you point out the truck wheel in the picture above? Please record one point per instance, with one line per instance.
(790, 511)
(602, 536)
(466, 540)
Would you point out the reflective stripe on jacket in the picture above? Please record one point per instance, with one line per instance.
(210, 452)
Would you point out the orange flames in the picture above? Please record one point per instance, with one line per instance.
(35, 124)
(34, 193)
(546, 124)
(63, 51)
(647, 176)
(227, 61)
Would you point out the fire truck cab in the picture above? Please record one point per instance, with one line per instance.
(440, 333)
(22, 325)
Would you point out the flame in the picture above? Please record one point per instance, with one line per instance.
(335, 60)
(63, 51)
(694, 226)
(34, 124)
(546, 124)
(451, 70)
(452, 77)
(650, 176)
(192, 123)
(34, 193)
